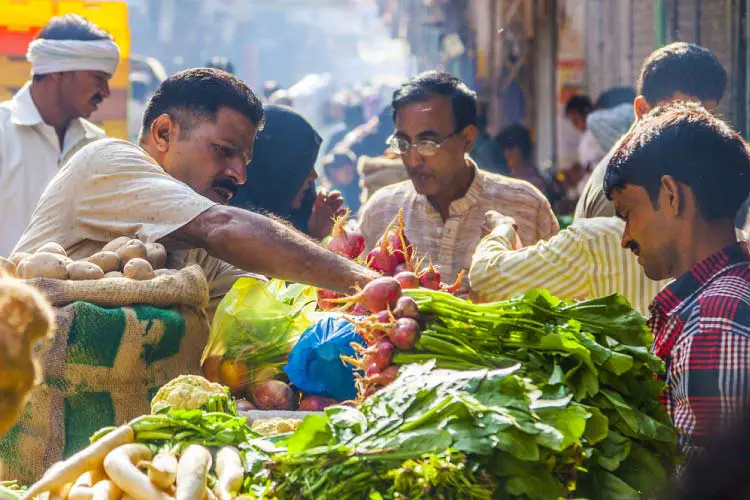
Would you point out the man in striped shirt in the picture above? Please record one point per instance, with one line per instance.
(677, 179)
(583, 261)
(447, 197)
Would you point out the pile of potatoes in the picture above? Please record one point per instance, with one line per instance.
(122, 257)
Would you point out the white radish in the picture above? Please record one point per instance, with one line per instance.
(106, 490)
(82, 487)
(87, 459)
(162, 470)
(192, 473)
(120, 466)
(229, 472)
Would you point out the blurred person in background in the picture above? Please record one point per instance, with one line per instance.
(281, 176)
(140, 91)
(353, 117)
(44, 124)
(269, 87)
(281, 97)
(515, 142)
(487, 153)
(340, 170)
(678, 71)
(447, 196)
(222, 63)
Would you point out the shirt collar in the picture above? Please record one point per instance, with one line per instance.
(675, 294)
(25, 113)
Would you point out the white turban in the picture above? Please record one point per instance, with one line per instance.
(55, 56)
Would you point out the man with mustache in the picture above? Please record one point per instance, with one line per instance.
(446, 199)
(677, 180)
(195, 144)
(44, 124)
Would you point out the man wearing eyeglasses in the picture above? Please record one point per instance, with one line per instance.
(447, 196)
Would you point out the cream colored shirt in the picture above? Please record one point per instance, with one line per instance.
(30, 155)
(451, 243)
(113, 188)
(584, 261)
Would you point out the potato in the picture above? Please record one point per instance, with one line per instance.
(133, 249)
(83, 270)
(17, 257)
(8, 267)
(114, 274)
(156, 255)
(115, 244)
(138, 269)
(107, 261)
(52, 247)
(43, 265)
(164, 272)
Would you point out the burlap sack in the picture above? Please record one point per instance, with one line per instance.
(375, 173)
(117, 342)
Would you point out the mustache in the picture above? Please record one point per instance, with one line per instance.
(634, 247)
(226, 183)
(97, 98)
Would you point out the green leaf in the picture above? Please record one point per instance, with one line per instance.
(345, 422)
(643, 471)
(312, 432)
(638, 422)
(570, 422)
(602, 484)
(597, 425)
(611, 452)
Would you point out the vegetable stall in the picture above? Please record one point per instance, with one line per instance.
(414, 392)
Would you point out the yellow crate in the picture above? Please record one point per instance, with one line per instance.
(6, 93)
(121, 78)
(14, 71)
(115, 128)
(20, 15)
(108, 15)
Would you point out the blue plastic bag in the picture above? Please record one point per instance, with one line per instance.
(315, 365)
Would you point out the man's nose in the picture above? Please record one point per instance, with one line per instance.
(104, 90)
(412, 159)
(626, 238)
(237, 171)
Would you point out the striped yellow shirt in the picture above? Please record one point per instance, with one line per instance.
(583, 261)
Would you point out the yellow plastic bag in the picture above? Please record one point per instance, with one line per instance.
(258, 323)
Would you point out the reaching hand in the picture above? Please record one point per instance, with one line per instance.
(493, 219)
(327, 206)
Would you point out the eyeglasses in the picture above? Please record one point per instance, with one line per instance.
(425, 147)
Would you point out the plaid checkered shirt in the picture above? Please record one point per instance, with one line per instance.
(701, 326)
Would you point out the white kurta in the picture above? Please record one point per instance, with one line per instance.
(30, 156)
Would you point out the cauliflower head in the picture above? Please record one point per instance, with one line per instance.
(193, 392)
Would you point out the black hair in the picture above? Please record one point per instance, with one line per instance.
(431, 83)
(221, 63)
(199, 93)
(516, 136)
(71, 27)
(614, 97)
(580, 104)
(682, 67)
(696, 148)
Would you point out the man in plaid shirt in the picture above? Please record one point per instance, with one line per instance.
(677, 179)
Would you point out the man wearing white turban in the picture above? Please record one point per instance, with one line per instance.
(44, 124)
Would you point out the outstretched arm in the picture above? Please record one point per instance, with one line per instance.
(260, 244)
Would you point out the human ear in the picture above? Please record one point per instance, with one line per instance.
(161, 132)
(470, 136)
(674, 195)
(641, 107)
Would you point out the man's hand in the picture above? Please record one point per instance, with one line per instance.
(493, 219)
(327, 206)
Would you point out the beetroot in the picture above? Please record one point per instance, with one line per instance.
(347, 243)
(315, 403)
(452, 289)
(430, 278)
(408, 280)
(324, 299)
(273, 395)
(385, 377)
(359, 309)
(398, 242)
(378, 295)
(406, 307)
(381, 259)
(405, 333)
(400, 268)
(244, 405)
(380, 355)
